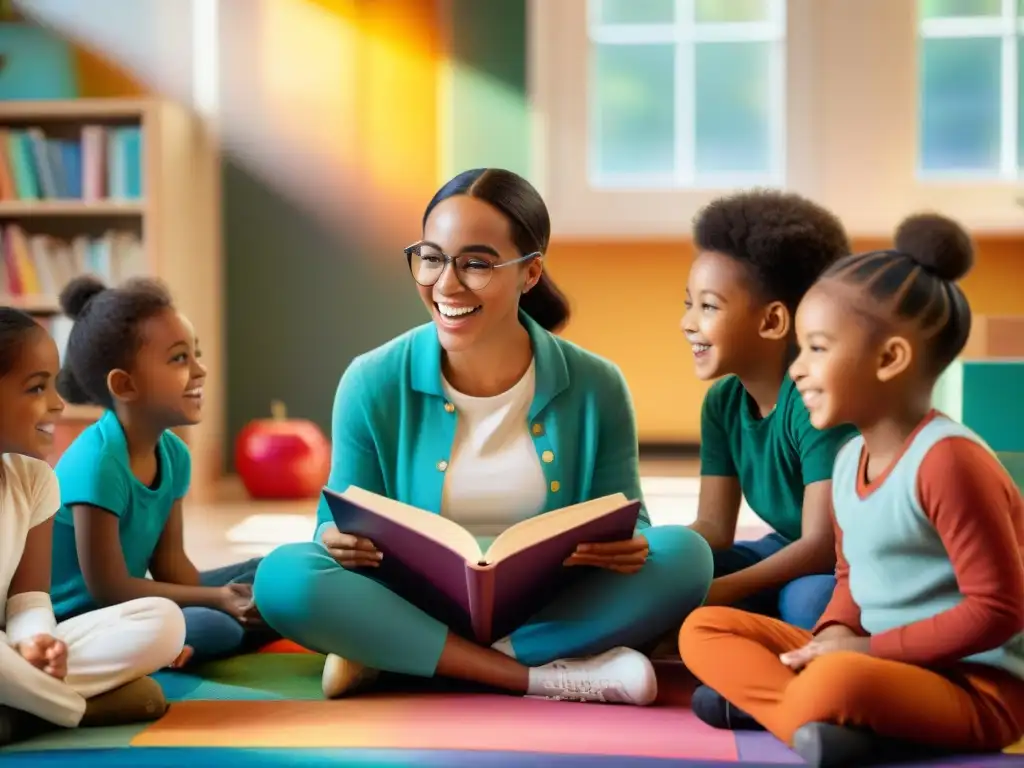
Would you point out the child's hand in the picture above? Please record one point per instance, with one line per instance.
(237, 602)
(46, 653)
(626, 556)
(801, 657)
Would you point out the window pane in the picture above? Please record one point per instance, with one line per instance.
(960, 104)
(724, 11)
(635, 108)
(732, 108)
(937, 9)
(636, 11)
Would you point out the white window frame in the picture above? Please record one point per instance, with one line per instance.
(1006, 27)
(558, 65)
(684, 34)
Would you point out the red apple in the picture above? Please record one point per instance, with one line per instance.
(282, 458)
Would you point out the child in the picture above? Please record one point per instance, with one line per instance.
(123, 479)
(922, 640)
(91, 669)
(758, 254)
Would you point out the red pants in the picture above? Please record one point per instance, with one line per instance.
(969, 707)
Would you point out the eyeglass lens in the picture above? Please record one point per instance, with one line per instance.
(427, 263)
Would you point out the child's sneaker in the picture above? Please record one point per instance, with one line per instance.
(711, 707)
(618, 676)
(343, 676)
(139, 701)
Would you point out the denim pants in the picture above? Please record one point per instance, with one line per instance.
(213, 634)
(801, 602)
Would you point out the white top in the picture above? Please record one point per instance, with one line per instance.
(29, 495)
(494, 477)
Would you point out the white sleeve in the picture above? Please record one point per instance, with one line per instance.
(42, 491)
(31, 613)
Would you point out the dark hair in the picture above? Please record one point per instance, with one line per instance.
(15, 329)
(785, 240)
(105, 336)
(528, 217)
(917, 281)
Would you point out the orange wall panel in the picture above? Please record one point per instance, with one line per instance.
(627, 298)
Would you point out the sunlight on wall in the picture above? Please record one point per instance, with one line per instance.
(331, 102)
(349, 89)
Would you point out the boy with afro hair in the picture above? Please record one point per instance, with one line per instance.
(758, 253)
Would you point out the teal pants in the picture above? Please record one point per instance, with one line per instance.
(305, 596)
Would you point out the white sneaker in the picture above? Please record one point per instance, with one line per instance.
(344, 676)
(618, 676)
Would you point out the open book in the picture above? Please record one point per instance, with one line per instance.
(438, 565)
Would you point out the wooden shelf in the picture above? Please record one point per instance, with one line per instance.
(74, 109)
(176, 223)
(70, 208)
(35, 304)
(81, 413)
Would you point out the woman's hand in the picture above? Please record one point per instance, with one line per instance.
(626, 556)
(47, 654)
(823, 644)
(350, 551)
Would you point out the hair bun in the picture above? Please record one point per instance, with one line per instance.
(78, 293)
(938, 244)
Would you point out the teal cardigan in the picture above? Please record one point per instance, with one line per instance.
(393, 428)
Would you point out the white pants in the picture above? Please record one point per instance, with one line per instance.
(106, 649)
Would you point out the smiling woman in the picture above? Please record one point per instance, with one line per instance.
(497, 420)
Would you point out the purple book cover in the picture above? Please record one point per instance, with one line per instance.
(481, 601)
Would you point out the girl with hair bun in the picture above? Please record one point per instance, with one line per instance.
(124, 478)
(922, 643)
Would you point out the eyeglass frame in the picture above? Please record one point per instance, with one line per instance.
(408, 250)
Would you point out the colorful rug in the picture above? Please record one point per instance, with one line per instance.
(266, 711)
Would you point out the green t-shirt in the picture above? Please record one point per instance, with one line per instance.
(774, 457)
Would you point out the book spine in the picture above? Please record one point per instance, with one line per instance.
(480, 587)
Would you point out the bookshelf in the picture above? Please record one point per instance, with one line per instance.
(119, 188)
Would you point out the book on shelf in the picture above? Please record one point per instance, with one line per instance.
(438, 565)
(102, 163)
(36, 267)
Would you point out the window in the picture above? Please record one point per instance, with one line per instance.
(970, 78)
(686, 93)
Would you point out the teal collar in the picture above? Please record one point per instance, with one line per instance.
(551, 369)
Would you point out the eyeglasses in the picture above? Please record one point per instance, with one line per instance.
(427, 263)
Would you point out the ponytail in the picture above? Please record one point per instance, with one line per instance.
(546, 304)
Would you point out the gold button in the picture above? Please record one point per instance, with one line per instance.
(442, 465)
(538, 429)
(449, 407)
(547, 457)
(555, 485)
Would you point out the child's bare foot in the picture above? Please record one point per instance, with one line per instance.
(183, 658)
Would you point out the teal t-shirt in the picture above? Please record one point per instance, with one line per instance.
(774, 457)
(95, 471)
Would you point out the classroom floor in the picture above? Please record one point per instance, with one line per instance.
(265, 710)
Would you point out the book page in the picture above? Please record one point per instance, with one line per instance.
(427, 524)
(534, 530)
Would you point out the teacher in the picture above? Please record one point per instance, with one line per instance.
(486, 417)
